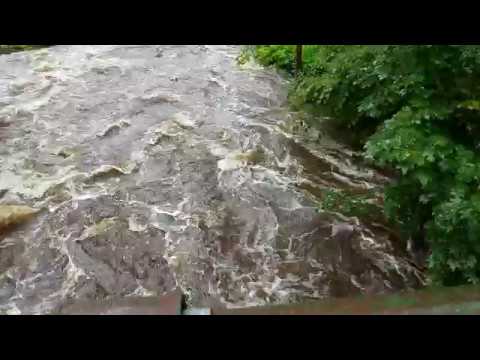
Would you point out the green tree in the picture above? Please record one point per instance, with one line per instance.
(420, 107)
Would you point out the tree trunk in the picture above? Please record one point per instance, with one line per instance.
(299, 58)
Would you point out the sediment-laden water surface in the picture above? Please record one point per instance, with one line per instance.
(156, 167)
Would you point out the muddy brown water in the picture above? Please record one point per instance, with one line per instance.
(163, 167)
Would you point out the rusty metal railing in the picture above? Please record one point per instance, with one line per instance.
(445, 301)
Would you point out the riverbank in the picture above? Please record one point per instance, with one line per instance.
(399, 106)
(7, 49)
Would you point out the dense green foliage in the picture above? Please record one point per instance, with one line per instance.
(361, 205)
(420, 106)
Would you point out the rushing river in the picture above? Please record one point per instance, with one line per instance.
(156, 167)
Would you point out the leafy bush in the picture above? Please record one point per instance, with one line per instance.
(421, 107)
(359, 205)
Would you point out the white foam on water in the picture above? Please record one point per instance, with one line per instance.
(84, 91)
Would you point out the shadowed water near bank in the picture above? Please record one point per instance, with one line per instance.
(153, 168)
